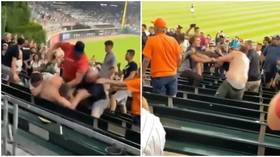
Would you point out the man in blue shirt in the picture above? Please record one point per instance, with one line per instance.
(271, 54)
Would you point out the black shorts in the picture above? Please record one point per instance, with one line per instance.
(96, 91)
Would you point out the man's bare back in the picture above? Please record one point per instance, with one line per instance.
(49, 90)
(237, 74)
(236, 77)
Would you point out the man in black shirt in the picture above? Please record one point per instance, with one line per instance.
(129, 72)
(130, 69)
(9, 62)
(254, 74)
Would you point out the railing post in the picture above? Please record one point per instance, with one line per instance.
(261, 147)
(170, 102)
(15, 127)
(196, 90)
(5, 126)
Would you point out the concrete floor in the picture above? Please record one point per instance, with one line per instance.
(19, 151)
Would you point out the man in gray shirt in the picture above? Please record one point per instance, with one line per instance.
(110, 61)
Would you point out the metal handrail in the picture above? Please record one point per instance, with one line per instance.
(75, 126)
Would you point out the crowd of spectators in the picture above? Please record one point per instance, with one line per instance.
(64, 75)
(201, 52)
(56, 16)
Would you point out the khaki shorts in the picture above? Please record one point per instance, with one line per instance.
(121, 97)
(99, 107)
(253, 86)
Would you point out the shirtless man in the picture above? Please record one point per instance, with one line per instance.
(237, 75)
(51, 88)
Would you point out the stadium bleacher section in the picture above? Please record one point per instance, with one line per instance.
(118, 128)
(198, 123)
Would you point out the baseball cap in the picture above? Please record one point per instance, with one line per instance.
(79, 48)
(159, 22)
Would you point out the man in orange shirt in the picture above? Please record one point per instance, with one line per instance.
(165, 56)
(133, 85)
(75, 64)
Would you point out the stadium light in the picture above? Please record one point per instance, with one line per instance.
(124, 14)
(103, 5)
(113, 5)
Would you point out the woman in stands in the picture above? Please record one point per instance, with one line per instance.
(53, 66)
(36, 63)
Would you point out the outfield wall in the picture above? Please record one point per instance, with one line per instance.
(82, 33)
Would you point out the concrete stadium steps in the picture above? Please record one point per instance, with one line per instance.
(184, 89)
(110, 120)
(29, 144)
(213, 80)
(214, 83)
(197, 142)
(207, 117)
(201, 105)
(198, 131)
(198, 123)
(25, 94)
(248, 96)
(210, 82)
(213, 99)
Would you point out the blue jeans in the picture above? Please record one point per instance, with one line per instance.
(165, 85)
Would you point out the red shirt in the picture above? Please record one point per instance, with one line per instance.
(71, 64)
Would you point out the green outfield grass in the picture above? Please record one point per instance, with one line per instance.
(249, 20)
(121, 44)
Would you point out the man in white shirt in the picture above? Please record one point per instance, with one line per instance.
(152, 134)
